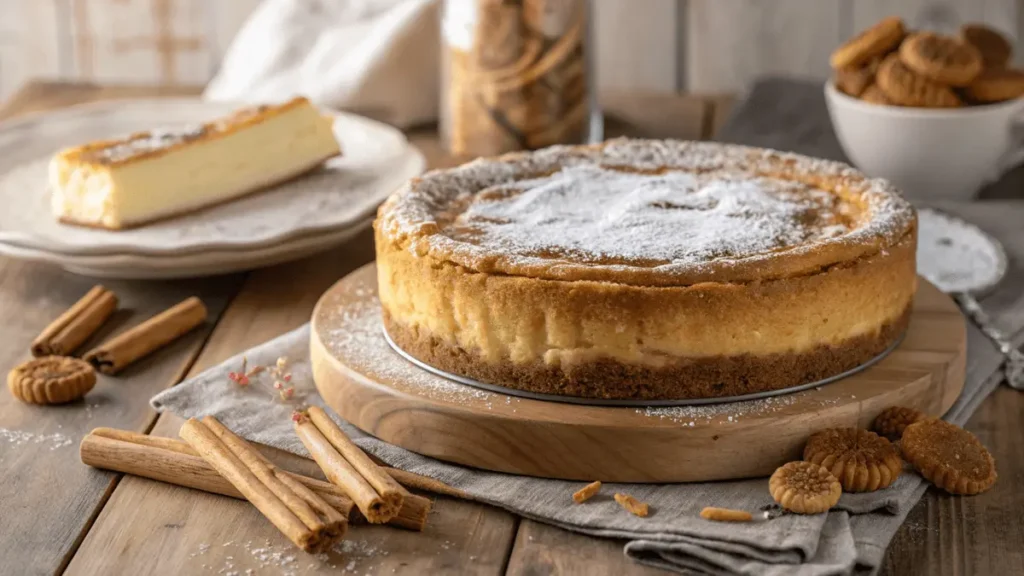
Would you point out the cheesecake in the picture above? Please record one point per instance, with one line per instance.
(646, 270)
(148, 176)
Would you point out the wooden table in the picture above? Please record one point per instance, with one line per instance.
(59, 516)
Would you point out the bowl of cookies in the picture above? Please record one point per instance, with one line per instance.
(937, 115)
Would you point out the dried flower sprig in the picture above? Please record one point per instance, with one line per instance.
(245, 376)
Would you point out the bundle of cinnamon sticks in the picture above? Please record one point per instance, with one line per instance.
(376, 494)
(72, 328)
(313, 514)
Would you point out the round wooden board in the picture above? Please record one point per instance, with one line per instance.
(371, 386)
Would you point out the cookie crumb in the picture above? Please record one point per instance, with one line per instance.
(632, 505)
(587, 492)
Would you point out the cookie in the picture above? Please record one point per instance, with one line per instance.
(905, 87)
(874, 95)
(943, 59)
(996, 85)
(949, 456)
(871, 43)
(994, 48)
(853, 80)
(893, 420)
(51, 380)
(862, 461)
(804, 488)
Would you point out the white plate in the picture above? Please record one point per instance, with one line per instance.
(209, 263)
(377, 160)
(956, 255)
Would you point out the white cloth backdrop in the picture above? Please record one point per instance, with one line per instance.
(378, 58)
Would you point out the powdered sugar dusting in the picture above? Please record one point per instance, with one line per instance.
(21, 437)
(146, 142)
(653, 212)
(596, 214)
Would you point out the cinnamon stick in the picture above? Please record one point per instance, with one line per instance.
(424, 483)
(390, 492)
(343, 475)
(183, 469)
(161, 442)
(72, 328)
(302, 516)
(175, 462)
(113, 355)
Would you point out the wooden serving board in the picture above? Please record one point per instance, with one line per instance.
(374, 388)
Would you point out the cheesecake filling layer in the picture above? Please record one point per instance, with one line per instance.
(161, 174)
(508, 319)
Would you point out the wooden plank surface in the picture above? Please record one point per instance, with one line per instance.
(544, 549)
(47, 499)
(943, 535)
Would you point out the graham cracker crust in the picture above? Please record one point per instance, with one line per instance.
(708, 377)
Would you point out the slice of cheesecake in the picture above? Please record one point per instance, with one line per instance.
(152, 175)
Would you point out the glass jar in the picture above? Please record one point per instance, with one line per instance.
(516, 75)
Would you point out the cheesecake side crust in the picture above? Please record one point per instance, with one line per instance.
(606, 340)
(706, 377)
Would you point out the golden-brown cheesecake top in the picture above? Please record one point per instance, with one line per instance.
(152, 143)
(644, 212)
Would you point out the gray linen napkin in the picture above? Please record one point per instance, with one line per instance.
(674, 536)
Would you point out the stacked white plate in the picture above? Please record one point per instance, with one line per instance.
(285, 222)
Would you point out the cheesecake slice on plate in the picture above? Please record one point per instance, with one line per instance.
(147, 176)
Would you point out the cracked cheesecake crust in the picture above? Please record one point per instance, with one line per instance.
(646, 269)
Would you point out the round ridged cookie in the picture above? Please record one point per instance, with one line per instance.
(994, 48)
(853, 80)
(949, 456)
(51, 380)
(903, 86)
(804, 488)
(862, 461)
(871, 43)
(997, 85)
(943, 59)
(874, 95)
(892, 421)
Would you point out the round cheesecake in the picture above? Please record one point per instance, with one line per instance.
(640, 269)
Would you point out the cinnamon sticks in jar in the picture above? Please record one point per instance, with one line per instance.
(377, 495)
(299, 513)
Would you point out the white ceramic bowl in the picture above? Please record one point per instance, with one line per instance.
(947, 153)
